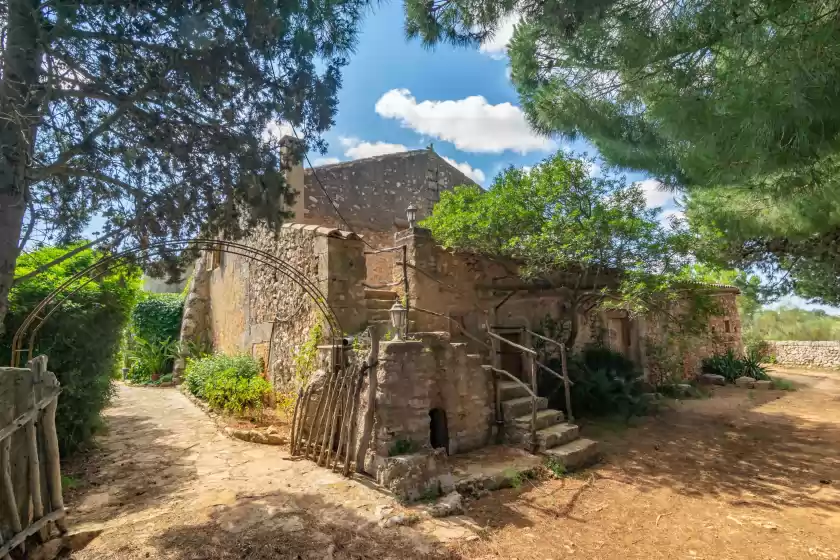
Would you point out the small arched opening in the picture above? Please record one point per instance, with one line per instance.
(438, 430)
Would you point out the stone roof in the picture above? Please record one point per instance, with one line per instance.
(324, 231)
(370, 160)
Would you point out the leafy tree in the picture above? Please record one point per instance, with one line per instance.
(81, 336)
(569, 230)
(730, 99)
(155, 116)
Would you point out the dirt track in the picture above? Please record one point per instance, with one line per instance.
(743, 475)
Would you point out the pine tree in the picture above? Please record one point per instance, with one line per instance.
(731, 101)
(155, 116)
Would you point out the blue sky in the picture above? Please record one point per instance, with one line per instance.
(398, 95)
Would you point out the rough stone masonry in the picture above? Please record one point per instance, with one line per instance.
(810, 353)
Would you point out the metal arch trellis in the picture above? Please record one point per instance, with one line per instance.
(230, 247)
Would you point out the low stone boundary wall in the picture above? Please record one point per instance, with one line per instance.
(811, 353)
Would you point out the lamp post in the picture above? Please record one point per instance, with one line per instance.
(398, 318)
(411, 215)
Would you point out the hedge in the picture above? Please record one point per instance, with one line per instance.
(81, 338)
(158, 316)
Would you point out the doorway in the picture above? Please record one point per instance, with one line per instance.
(510, 357)
(438, 429)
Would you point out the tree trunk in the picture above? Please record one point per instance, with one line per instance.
(20, 98)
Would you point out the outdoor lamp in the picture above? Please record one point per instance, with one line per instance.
(411, 214)
(398, 318)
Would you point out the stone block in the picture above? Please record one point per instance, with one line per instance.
(763, 384)
(418, 475)
(545, 418)
(521, 406)
(711, 379)
(745, 382)
(575, 455)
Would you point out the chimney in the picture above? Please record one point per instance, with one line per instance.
(291, 156)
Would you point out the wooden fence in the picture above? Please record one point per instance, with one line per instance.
(30, 472)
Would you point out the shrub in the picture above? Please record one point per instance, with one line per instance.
(150, 359)
(234, 394)
(229, 383)
(732, 367)
(81, 338)
(158, 316)
(604, 382)
(728, 365)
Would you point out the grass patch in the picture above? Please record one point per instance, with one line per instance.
(402, 447)
(514, 477)
(780, 384)
(68, 482)
(558, 469)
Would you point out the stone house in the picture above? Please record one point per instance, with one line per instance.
(433, 391)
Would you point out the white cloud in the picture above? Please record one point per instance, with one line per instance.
(674, 214)
(654, 195)
(472, 124)
(357, 149)
(277, 130)
(496, 46)
(476, 175)
(325, 161)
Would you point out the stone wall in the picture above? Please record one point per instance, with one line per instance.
(373, 193)
(414, 377)
(667, 348)
(823, 354)
(466, 287)
(261, 311)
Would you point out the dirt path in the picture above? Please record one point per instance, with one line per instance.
(743, 475)
(167, 484)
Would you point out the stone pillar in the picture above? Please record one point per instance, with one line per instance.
(195, 325)
(424, 291)
(341, 274)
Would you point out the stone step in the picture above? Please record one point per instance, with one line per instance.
(511, 390)
(380, 294)
(559, 434)
(379, 303)
(545, 418)
(514, 408)
(574, 455)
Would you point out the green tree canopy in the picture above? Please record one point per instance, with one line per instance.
(154, 115)
(726, 99)
(584, 234)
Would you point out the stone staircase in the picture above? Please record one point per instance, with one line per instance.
(556, 439)
(378, 303)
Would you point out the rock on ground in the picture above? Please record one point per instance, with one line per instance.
(451, 504)
(711, 379)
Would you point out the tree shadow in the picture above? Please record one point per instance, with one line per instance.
(739, 454)
(127, 472)
(280, 525)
